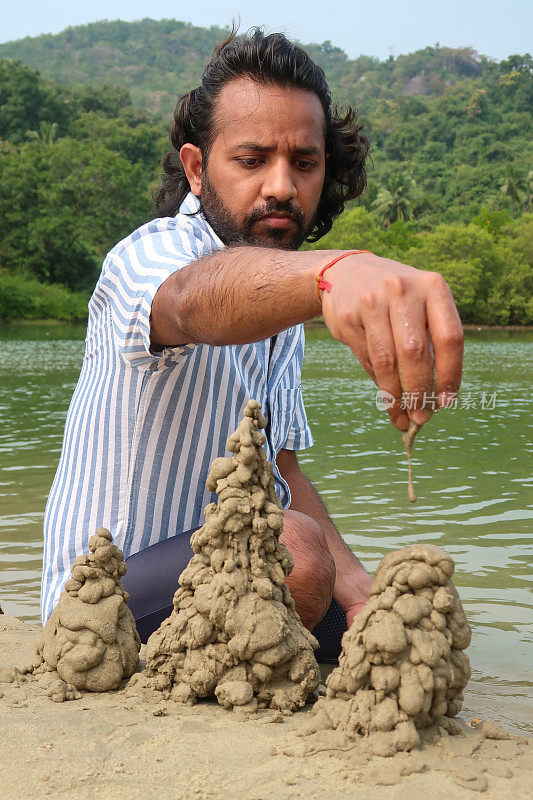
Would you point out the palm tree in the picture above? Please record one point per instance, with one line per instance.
(511, 188)
(529, 190)
(46, 133)
(397, 201)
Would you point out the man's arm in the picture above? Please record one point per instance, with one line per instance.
(352, 584)
(238, 295)
(381, 309)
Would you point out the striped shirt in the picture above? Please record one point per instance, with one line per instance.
(143, 425)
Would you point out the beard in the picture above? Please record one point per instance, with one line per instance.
(230, 231)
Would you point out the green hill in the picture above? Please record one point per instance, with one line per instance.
(155, 61)
(451, 120)
(451, 144)
(159, 60)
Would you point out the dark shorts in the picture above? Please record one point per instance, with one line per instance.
(152, 580)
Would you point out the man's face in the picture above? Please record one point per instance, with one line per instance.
(266, 165)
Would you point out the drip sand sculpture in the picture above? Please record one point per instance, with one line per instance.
(408, 439)
(234, 631)
(402, 667)
(90, 640)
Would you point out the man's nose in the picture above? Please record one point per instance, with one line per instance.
(278, 182)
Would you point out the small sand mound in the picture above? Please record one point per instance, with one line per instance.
(90, 640)
(234, 631)
(402, 667)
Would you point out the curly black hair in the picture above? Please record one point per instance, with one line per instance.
(267, 59)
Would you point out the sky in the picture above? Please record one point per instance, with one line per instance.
(374, 27)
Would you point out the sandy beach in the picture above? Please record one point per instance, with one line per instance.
(124, 745)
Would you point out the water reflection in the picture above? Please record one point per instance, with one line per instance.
(472, 469)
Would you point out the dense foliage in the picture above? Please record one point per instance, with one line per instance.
(488, 263)
(156, 60)
(76, 167)
(450, 187)
(22, 298)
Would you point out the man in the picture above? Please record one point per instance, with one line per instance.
(200, 310)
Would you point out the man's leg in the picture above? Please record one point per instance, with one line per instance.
(152, 579)
(313, 578)
(312, 582)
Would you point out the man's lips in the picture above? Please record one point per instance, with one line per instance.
(278, 220)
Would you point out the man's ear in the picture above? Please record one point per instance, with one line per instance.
(191, 158)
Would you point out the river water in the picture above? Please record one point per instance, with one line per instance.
(472, 468)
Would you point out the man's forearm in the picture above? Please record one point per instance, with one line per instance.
(352, 580)
(239, 295)
(400, 322)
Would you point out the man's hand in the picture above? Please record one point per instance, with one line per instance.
(352, 592)
(389, 314)
(352, 583)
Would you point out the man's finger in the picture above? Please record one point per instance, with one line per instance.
(374, 347)
(355, 338)
(351, 333)
(382, 352)
(446, 331)
(415, 366)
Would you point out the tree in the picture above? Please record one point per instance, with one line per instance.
(469, 259)
(518, 239)
(397, 202)
(136, 142)
(77, 161)
(528, 183)
(511, 299)
(511, 189)
(46, 133)
(354, 229)
(62, 207)
(491, 220)
(25, 101)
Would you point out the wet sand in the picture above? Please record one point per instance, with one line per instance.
(127, 746)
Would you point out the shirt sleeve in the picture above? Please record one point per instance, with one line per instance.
(133, 273)
(299, 436)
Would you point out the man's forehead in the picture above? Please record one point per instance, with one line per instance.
(250, 112)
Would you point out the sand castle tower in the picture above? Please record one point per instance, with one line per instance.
(90, 640)
(402, 667)
(234, 631)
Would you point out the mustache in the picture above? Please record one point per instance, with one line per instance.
(275, 207)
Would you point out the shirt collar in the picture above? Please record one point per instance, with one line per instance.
(191, 205)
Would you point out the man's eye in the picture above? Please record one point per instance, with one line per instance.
(249, 162)
(306, 164)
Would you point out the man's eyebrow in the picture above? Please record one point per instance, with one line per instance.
(262, 148)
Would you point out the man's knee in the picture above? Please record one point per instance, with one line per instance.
(313, 578)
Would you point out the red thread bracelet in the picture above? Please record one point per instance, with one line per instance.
(326, 286)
